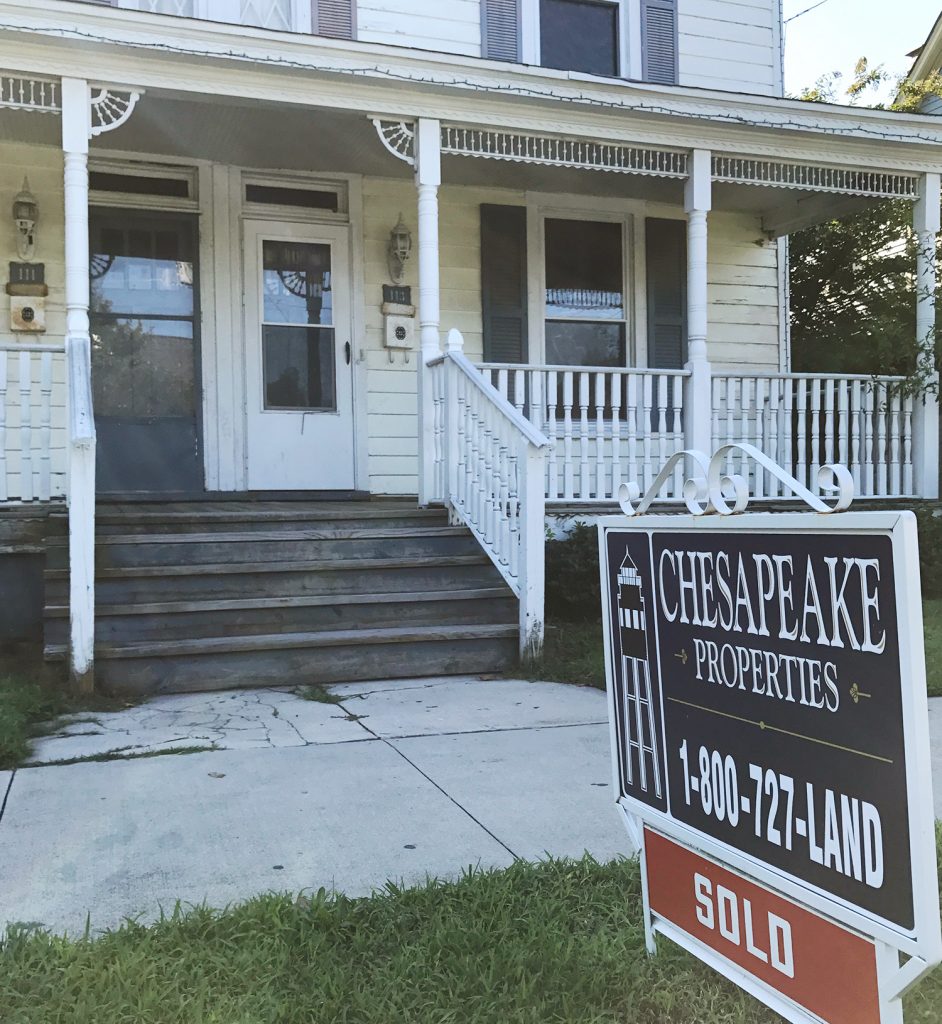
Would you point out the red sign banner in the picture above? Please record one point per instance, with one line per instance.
(815, 963)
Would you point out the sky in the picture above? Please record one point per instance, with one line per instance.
(832, 36)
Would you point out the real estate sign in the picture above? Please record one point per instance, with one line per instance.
(767, 696)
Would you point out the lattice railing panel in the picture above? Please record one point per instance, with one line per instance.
(523, 147)
(275, 14)
(814, 177)
(19, 92)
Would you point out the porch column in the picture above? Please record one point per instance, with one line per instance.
(428, 177)
(76, 128)
(697, 203)
(926, 224)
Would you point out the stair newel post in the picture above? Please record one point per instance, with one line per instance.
(76, 128)
(697, 401)
(428, 177)
(532, 570)
(925, 423)
(454, 346)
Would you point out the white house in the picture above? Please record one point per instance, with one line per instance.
(494, 257)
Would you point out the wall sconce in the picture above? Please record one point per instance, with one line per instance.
(25, 215)
(399, 250)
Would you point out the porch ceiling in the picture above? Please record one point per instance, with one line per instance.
(288, 137)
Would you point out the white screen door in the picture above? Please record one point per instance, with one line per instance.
(299, 380)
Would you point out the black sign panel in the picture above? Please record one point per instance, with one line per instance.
(758, 700)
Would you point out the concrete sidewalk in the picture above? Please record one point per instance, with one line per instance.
(400, 781)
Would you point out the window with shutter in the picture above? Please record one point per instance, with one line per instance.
(659, 41)
(666, 263)
(504, 283)
(500, 29)
(334, 18)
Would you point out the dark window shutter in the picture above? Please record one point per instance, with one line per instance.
(504, 283)
(659, 41)
(666, 263)
(334, 18)
(500, 29)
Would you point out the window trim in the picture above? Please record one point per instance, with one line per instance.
(143, 201)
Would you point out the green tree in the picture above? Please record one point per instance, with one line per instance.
(853, 289)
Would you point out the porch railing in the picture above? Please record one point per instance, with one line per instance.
(488, 469)
(803, 421)
(604, 425)
(32, 427)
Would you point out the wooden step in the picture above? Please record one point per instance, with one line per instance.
(280, 579)
(192, 619)
(122, 551)
(213, 517)
(303, 658)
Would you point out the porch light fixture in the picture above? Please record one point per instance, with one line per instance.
(399, 250)
(25, 215)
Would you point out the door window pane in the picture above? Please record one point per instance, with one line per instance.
(298, 364)
(585, 301)
(579, 35)
(142, 368)
(296, 283)
(142, 269)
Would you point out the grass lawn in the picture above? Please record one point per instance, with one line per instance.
(557, 942)
(27, 709)
(573, 651)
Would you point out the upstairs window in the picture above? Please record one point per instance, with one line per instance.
(580, 35)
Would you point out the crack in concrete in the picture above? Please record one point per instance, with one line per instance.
(440, 788)
(6, 794)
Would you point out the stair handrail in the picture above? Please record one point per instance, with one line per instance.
(489, 471)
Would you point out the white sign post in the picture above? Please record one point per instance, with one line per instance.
(770, 748)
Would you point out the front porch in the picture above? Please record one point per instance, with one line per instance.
(498, 427)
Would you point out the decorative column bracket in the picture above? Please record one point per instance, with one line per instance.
(111, 109)
(398, 137)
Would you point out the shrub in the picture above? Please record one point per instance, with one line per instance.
(930, 551)
(572, 576)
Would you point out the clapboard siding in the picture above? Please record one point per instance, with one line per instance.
(730, 45)
(743, 295)
(43, 165)
(391, 387)
(455, 26)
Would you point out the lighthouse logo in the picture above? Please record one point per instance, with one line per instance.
(641, 755)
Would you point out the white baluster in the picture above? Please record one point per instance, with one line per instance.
(502, 383)
(880, 410)
(678, 403)
(761, 433)
(907, 429)
(842, 386)
(647, 403)
(787, 448)
(584, 491)
(520, 391)
(896, 468)
(828, 454)
(855, 434)
(552, 403)
(775, 416)
(631, 420)
(730, 422)
(26, 428)
(568, 485)
(802, 413)
(869, 430)
(617, 384)
(660, 382)
(716, 390)
(816, 429)
(600, 473)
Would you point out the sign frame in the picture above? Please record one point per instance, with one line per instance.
(923, 944)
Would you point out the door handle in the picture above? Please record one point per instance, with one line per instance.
(346, 352)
